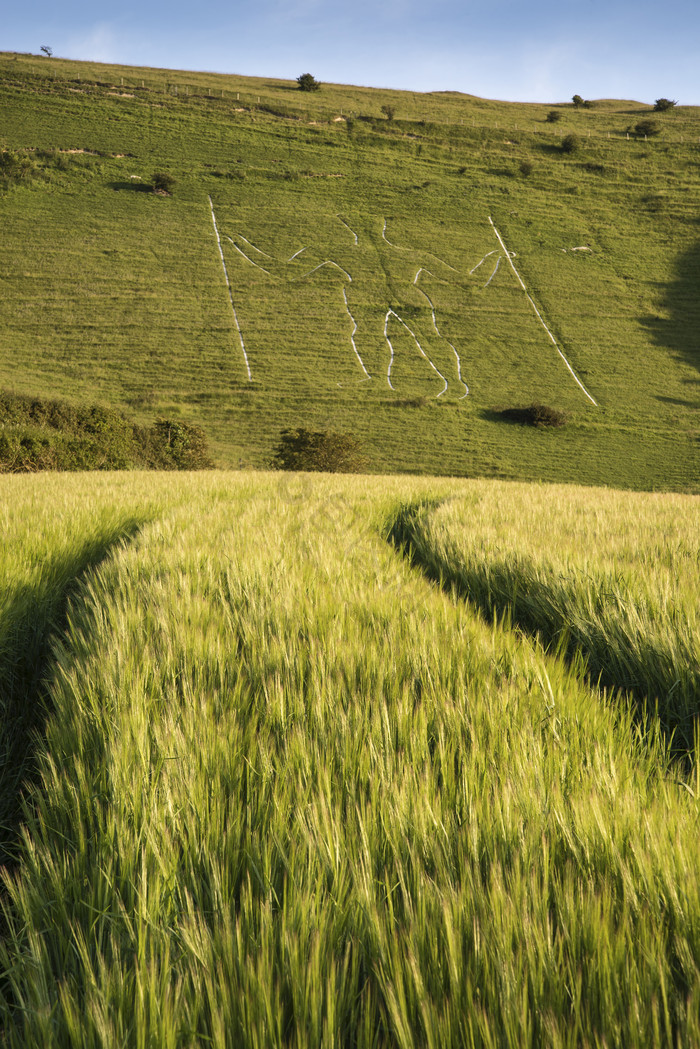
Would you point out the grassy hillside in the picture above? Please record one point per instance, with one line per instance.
(291, 794)
(111, 292)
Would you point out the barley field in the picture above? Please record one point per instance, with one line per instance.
(300, 768)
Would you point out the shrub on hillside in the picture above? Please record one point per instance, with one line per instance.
(570, 143)
(177, 446)
(663, 104)
(525, 167)
(647, 128)
(539, 415)
(318, 450)
(592, 165)
(37, 434)
(553, 116)
(15, 167)
(307, 82)
(162, 182)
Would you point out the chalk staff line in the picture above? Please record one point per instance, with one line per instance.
(539, 315)
(228, 288)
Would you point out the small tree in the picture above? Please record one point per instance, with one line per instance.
(526, 167)
(324, 451)
(308, 83)
(48, 51)
(389, 112)
(553, 116)
(15, 166)
(577, 100)
(162, 182)
(570, 143)
(647, 128)
(662, 104)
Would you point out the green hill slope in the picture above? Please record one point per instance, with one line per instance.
(377, 269)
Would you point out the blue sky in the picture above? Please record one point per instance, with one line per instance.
(543, 51)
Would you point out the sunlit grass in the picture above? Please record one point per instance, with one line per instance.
(293, 794)
(113, 293)
(617, 590)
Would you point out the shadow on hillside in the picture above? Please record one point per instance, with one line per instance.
(680, 331)
(502, 415)
(663, 685)
(135, 187)
(33, 619)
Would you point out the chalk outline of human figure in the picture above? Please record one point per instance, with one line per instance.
(391, 312)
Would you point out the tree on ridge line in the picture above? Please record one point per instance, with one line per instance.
(307, 82)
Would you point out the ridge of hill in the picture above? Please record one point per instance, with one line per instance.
(400, 265)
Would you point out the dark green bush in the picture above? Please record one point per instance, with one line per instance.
(178, 446)
(15, 167)
(162, 182)
(525, 167)
(307, 82)
(553, 116)
(38, 434)
(539, 415)
(663, 104)
(314, 450)
(570, 143)
(647, 128)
